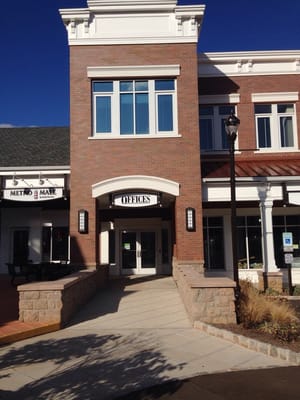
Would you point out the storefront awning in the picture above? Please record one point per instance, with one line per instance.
(259, 168)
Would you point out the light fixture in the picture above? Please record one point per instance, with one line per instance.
(83, 221)
(190, 219)
(15, 182)
(231, 126)
(41, 181)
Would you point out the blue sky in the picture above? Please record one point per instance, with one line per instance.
(34, 86)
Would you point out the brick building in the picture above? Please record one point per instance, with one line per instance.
(149, 181)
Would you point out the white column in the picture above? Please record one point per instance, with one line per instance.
(267, 236)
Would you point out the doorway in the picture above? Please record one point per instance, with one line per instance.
(138, 251)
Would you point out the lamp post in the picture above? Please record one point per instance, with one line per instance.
(231, 126)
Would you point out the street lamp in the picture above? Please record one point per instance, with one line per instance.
(231, 126)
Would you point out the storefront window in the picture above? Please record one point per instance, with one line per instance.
(289, 223)
(213, 242)
(249, 247)
(55, 244)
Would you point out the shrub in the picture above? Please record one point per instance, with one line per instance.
(267, 314)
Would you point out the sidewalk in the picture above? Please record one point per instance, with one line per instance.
(11, 329)
(133, 335)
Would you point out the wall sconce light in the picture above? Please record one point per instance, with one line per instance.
(15, 182)
(190, 219)
(83, 221)
(41, 181)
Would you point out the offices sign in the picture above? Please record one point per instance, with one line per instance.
(135, 199)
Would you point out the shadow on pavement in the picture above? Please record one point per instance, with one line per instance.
(84, 367)
(262, 384)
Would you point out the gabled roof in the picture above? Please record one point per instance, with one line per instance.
(253, 169)
(34, 147)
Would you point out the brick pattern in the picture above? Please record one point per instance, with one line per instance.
(206, 300)
(57, 301)
(176, 159)
(246, 86)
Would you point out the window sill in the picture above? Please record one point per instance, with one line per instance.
(156, 136)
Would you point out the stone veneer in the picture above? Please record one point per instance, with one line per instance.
(209, 300)
(270, 280)
(56, 301)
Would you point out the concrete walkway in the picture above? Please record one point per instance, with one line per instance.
(132, 335)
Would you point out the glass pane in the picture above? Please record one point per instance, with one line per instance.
(20, 247)
(253, 221)
(262, 109)
(206, 110)
(241, 248)
(278, 220)
(148, 249)
(103, 114)
(128, 250)
(285, 108)
(278, 246)
(286, 132)
(106, 86)
(126, 86)
(206, 139)
(226, 110)
(225, 144)
(255, 250)
(216, 248)
(292, 220)
(165, 113)
(164, 84)
(126, 113)
(141, 86)
(264, 132)
(142, 113)
(60, 244)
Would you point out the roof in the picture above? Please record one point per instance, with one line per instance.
(257, 168)
(34, 147)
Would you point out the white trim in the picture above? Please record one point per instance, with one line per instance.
(133, 71)
(275, 96)
(249, 63)
(135, 182)
(109, 136)
(232, 98)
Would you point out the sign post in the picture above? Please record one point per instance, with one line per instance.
(287, 238)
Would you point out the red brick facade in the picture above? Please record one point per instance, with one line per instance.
(176, 159)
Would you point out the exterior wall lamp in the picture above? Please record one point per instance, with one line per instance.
(83, 221)
(190, 220)
(231, 126)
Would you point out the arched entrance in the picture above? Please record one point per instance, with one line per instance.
(136, 215)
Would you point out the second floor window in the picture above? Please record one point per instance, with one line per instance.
(135, 107)
(212, 127)
(275, 126)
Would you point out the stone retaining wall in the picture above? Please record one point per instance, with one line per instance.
(209, 300)
(56, 301)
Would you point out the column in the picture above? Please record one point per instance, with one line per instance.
(271, 277)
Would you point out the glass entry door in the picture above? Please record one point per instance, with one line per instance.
(138, 252)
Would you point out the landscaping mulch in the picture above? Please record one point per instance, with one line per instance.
(261, 336)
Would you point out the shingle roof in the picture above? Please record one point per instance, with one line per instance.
(257, 168)
(30, 147)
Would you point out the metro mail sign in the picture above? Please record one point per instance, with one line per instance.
(135, 199)
(33, 194)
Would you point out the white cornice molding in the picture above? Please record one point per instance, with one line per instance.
(249, 63)
(133, 71)
(132, 22)
(274, 96)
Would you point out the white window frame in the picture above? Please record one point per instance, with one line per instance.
(153, 111)
(275, 133)
(216, 119)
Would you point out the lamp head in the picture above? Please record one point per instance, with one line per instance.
(231, 126)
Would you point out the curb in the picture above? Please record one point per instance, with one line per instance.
(249, 343)
(28, 333)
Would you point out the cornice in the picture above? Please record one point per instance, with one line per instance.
(249, 63)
